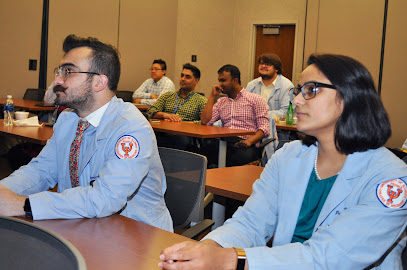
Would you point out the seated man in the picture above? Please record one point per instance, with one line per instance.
(271, 85)
(153, 88)
(103, 154)
(240, 110)
(183, 105)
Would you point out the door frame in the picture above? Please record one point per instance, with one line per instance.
(252, 45)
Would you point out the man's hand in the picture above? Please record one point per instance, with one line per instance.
(216, 90)
(11, 204)
(154, 96)
(172, 117)
(137, 100)
(243, 144)
(198, 255)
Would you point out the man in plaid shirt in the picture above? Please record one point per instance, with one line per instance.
(240, 110)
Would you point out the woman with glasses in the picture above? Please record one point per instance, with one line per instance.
(334, 200)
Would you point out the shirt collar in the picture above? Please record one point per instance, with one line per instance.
(95, 117)
(273, 83)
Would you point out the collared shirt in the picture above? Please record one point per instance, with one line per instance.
(247, 111)
(150, 86)
(266, 91)
(189, 108)
(95, 117)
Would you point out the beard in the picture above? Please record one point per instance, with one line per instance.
(268, 76)
(79, 98)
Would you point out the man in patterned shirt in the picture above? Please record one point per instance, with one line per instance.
(183, 105)
(240, 110)
(153, 88)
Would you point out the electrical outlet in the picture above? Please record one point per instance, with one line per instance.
(193, 58)
(32, 64)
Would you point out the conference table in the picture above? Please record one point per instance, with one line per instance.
(141, 107)
(114, 242)
(284, 126)
(38, 135)
(200, 131)
(230, 182)
(29, 105)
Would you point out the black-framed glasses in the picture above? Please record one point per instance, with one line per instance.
(308, 90)
(64, 72)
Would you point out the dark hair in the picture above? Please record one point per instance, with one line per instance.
(233, 70)
(364, 123)
(195, 71)
(161, 62)
(104, 58)
(273, 60)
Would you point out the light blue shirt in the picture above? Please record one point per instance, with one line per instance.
(354, 229)
(279, 98)
(150, 86)
(108, 182)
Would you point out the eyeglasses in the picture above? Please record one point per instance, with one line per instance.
(155, 69)
(64, 72)
(265, 64)
(308, 90)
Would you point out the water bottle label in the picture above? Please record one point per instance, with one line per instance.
(9, 108)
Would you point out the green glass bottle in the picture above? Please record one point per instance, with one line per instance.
(290, 115)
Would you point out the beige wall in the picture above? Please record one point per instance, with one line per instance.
(99, 21)
(394, 92)
(147, 32)
(354, 28)
(20, 40)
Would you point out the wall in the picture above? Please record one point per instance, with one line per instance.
(20, 40)
(394, 94)
(147, 31)
(354, 28)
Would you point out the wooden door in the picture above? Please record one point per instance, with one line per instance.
(281, 44)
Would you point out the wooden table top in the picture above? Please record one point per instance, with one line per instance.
(29, 105)
(195, 130)
(233, 182)
(114, 242)
(39, 135)
(284, 126)
(141, 107)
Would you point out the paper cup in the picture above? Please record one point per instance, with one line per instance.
(21, 115)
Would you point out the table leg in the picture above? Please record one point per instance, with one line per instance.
(218, 210)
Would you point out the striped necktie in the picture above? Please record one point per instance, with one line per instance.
(74, 153)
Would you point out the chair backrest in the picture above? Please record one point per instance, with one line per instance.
(34, 94)
(127, 96)
(186, 177)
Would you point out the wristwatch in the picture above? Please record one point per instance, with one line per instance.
(241, 258)
(27, 208)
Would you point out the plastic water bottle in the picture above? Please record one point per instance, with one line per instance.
(290, 115)
(8, 111)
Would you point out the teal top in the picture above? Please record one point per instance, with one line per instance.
(314, 198)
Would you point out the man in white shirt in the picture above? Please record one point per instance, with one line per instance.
(271, 85)
(153, 88)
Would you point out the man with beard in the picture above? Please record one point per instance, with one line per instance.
(271, 85)
(182, 105)
(240, 110)
(103, 154)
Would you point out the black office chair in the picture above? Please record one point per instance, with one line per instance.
(127, 96)
(34, 94)
(186, 177)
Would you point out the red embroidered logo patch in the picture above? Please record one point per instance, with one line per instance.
(127, 147)
(392, 193)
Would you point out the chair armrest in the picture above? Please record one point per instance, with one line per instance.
(198, 229)
(266, 142)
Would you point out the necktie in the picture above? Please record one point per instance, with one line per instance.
(74, 153)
